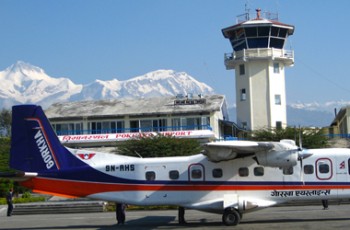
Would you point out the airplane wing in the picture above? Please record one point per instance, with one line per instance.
(283, 154)
(228, 150)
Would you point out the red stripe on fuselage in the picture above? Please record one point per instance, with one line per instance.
(83, 188)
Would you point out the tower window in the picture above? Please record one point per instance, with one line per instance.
(243, 95)
(241, 69)
(276, 68)
(278, 125)
(278, 99)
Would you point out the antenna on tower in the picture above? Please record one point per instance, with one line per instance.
(246, 9)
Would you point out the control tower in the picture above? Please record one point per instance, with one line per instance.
(259, 60)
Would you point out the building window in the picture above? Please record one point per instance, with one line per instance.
(176, 124)
(193, 123)
(190, 123)
(276, 67)
(278, 99)
(278, 125)
(134, 126)
(119, 127)
(68, 128)
(241, 69)
(146, 125)
(244, 125)
(243, 95)
(155, 125)
(106, 127)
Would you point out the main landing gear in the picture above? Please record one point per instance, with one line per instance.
(231, 217)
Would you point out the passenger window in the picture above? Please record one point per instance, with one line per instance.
(288, 171)
(243, 172)
(308, 169)
(217, 173)
(258, 171)
(323, 168)
(196, 174)
(150, 175)
(174, 175)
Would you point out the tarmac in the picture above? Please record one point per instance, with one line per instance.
(286, 218)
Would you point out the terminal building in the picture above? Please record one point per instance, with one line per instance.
(105, 122)
(340, 126)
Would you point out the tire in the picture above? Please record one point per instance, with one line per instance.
(231, 217)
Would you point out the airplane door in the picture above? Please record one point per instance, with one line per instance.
(324, 169)
(196, 172)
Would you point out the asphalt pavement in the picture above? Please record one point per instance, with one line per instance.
(289, 217)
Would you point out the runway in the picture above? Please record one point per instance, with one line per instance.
(298, 217)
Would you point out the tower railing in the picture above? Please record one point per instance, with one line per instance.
(247, 16)
(259, 53)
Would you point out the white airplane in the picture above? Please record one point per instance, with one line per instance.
(230, 178)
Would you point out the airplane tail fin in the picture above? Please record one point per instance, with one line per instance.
(34, 144)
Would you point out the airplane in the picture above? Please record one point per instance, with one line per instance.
(229, 177)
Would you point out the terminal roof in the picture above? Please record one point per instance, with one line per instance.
(137, 107)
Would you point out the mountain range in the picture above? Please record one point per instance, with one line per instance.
(24, 83)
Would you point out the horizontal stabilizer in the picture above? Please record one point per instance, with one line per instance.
(17, 176)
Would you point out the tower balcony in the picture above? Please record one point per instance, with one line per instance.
(285, 56)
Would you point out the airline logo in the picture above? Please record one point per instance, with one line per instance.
(86, 156)
(342, 165)
(44, 149)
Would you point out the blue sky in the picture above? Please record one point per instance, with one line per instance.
(86, 40)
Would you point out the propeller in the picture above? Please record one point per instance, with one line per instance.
(302, 155)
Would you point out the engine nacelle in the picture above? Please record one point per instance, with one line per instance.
(282, 159)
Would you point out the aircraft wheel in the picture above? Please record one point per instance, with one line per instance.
(231, 217)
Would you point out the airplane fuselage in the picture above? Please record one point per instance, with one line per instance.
(195, 182)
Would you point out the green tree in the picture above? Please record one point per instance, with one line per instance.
(311, 138)
(5, 183)
(5, 144)
(159, 146)
(5, 122)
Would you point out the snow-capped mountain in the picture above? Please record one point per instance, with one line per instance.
(316, 106)
(25, 83)
(153, 84)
